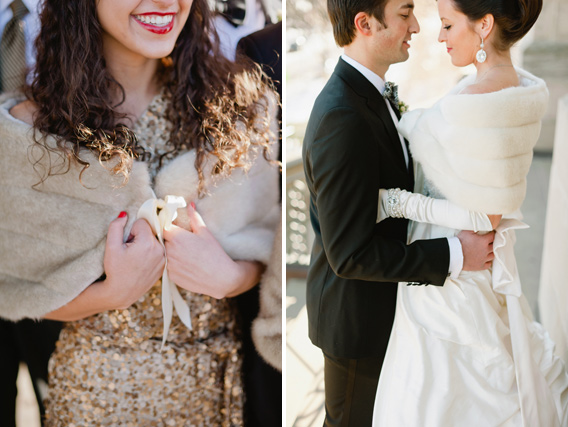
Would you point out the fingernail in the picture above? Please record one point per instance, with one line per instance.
(192, 205)
(122, 214)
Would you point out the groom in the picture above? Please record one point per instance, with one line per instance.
(351, 149)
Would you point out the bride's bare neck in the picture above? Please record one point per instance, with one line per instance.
(495, 74)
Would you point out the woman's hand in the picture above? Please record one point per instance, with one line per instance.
(198, 263)
(133, 267)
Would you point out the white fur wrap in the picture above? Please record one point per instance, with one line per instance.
(52, 237)
(477, 149)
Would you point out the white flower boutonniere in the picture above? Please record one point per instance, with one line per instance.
(402, 107)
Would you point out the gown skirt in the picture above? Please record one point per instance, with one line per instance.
(469, 353)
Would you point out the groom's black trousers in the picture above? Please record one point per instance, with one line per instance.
(350, 388)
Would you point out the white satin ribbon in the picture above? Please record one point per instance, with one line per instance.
(537, 403)
(160, 214)
(505, 274)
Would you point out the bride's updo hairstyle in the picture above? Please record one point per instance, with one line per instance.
(513, 18)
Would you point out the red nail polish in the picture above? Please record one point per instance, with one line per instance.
(122, 214)
(192, 205)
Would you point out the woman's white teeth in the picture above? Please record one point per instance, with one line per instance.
(155, 19)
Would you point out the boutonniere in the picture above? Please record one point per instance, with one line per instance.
(391, 93)
(402, 107)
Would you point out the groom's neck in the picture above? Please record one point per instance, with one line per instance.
(366, 57)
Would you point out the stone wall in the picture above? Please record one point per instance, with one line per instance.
(547, 57)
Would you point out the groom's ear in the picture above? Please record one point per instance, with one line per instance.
(363, 24)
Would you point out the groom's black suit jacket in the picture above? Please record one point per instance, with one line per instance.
(351, 149)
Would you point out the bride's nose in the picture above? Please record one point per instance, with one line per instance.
(441, 36)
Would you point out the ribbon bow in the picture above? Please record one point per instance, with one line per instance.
(160, 214)
(537, 402)
(391, 93)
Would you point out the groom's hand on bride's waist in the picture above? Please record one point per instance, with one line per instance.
(477, 250)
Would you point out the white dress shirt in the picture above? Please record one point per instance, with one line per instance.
(229, 35)
(456, 251)
(31, 26)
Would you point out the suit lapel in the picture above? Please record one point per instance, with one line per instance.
(375, 102)
(410, 164)
(410, 161)
(379, 107)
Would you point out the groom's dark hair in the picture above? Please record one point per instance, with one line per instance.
(342, 15)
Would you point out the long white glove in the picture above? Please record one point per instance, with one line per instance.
(397, 203)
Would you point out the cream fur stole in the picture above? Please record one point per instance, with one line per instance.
(267, 327)
(477, 149)
(52, 237)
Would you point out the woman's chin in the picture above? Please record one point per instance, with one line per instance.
(458, 62)
(158, 53)
(153, 49)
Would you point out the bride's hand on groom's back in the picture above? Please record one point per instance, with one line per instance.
(477, 250)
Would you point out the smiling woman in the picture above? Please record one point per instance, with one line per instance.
(131, 101)
(146, 28)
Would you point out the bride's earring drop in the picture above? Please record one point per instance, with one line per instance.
(481, 55)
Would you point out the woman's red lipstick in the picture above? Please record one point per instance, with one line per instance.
(153, 28)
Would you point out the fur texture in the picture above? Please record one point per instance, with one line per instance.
(52, 236)
(267, 327)
(477, 149)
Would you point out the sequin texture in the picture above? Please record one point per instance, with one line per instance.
(108, 370)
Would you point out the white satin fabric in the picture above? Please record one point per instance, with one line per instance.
(469, 353)
(160, 214)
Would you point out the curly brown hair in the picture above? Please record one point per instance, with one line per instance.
(209, 94)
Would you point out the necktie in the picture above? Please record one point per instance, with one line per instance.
(13, 49)
(391, 94)
(233, 10)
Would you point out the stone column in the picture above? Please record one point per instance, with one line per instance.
(553, 292)
(547, 57)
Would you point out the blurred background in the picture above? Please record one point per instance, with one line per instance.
(311, 56)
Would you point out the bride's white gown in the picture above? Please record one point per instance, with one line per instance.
(469, 353)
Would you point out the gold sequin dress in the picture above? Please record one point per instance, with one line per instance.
(107, 369)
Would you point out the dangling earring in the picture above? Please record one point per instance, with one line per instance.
(481, 55)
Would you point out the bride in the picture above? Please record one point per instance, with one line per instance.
(469, 353)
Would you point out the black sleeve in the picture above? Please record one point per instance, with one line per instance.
(249, 48)
(264, 48)
(346, 179)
